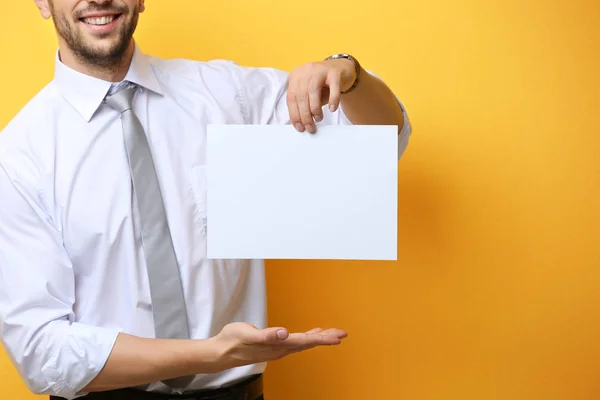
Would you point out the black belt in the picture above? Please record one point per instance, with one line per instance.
(249, 389)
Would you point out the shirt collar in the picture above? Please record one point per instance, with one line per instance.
(85, 93)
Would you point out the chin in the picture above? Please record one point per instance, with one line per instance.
(105, 46)
(101, 52)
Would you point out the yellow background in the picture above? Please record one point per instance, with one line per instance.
(496, 293)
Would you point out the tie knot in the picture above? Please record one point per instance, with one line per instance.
(122, 100)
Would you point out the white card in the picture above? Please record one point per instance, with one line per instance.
(276, 193)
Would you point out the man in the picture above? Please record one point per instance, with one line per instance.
(105, 289)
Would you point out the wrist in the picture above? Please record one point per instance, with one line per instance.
(222, 353)
(206, 356)
(351, 71)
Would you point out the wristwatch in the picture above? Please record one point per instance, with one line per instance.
(356, 66)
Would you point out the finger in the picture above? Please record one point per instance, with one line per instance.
(312, 339)
(303, 101)
(292, 103)
(303, 341)
(315, 89)
(274, 335)
(333, 81)
(339, 333)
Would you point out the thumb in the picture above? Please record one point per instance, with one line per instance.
(274, 335)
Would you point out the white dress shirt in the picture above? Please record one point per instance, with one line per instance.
(72, 274)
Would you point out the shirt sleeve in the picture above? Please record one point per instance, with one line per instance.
(262, 94)
(54, 354)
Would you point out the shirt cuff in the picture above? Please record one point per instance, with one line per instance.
(81, 358)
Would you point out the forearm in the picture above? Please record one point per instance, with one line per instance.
(137, 361)
(372, 103)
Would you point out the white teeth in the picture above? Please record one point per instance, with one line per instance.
(100, 20)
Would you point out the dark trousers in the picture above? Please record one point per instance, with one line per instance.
(90, 398)
(250, 389)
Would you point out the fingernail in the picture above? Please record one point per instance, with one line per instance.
(331, 108)
(310, 128)
(281, 334)
(318, 118)
(299, 127)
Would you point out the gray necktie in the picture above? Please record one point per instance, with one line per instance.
(168, 304)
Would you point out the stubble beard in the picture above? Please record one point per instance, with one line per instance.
(98, 57)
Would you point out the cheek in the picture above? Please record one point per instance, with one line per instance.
(132, 4)
(68, 23)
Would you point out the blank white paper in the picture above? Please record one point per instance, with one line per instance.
(276, 193)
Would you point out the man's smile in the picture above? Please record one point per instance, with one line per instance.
(103, 22)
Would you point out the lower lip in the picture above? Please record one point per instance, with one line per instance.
(103, 28)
